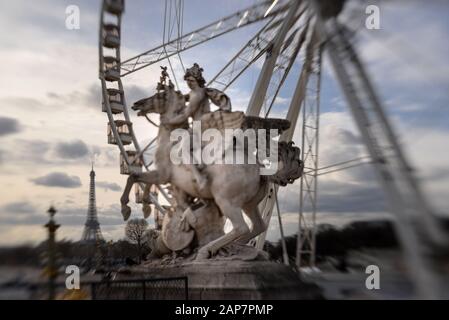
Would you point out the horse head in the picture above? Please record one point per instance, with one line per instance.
(165, 102)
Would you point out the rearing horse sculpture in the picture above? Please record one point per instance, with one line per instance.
(233, 187)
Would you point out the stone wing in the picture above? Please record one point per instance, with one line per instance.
(237, 120)
(265, 123)
(222, 120)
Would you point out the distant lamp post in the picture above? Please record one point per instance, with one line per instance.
(52, 271)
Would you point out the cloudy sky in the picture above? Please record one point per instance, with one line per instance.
(51, 124)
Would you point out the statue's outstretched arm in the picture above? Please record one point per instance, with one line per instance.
(219, 98)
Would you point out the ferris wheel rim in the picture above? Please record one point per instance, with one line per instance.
(117, 138)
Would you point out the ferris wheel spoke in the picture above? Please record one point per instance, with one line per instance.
(165, 194)
(213, 30)
(266, 73)
(282, 71)
(299, 96)
(142, 151)
(253, 50)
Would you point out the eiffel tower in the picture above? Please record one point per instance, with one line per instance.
(92, 231)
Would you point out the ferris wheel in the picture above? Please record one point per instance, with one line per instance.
(290, 31)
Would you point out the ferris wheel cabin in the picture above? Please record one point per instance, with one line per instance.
(116, 101)
(134, 166)
(112, 69)
(123, 130)
(115, 6)
(111, 36)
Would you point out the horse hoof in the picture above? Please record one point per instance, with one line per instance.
(126, 212)
(202, 255)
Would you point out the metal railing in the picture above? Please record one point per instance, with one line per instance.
(126, 289)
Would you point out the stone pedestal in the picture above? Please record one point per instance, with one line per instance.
(241, 280)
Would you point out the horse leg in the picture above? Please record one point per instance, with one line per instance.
(239, 228)
(151, 177)
(252, 211)
(124, 199)
(259, 226)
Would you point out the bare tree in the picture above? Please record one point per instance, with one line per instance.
(134, 231)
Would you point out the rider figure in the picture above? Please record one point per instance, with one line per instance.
(198, 104)
(164, 76)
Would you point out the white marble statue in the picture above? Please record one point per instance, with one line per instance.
(232, 188)
(198, 105)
